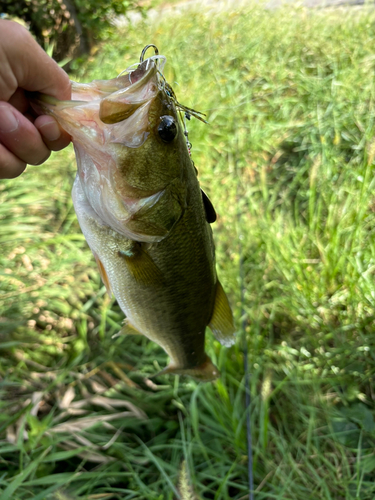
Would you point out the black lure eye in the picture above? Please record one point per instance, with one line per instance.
(167, 128)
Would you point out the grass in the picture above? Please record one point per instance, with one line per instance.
(288, 160)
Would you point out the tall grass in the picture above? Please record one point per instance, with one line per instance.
(288, 161)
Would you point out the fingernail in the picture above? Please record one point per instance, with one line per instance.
(8, 122)
(50, 130)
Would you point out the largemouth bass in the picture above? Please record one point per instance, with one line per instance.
(143, 214)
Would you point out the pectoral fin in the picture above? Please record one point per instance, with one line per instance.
(222, 323)
(141, 266)
(103, 274)
(205, 372)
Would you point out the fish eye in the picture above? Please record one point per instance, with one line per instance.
(167, 128)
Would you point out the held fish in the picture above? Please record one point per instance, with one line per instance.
(143, 214)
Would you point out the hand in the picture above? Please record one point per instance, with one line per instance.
(25, 66)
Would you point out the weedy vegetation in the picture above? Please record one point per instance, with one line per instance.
(288, 161)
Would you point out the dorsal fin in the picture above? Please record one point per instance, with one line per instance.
(208, 208)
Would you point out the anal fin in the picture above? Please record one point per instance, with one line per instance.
(222, 322)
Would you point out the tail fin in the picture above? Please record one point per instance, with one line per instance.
(205, 372)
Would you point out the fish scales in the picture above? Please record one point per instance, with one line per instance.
(143, 214)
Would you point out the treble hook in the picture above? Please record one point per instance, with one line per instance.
(141, 59)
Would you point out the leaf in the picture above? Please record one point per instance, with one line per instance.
(44, 494)
(86, 454)
(86, 422)
(346, 433)
(67, 398)
(63, 455)
(360, 414)
(20, 478)
(368, 463)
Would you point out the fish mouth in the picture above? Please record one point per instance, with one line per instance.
(108, 111)
(117, 99)
(143, 87)
(106, 119)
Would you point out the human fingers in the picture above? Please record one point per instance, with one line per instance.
(25, 64)
(19, 101)
(53, 135)
(10, 165)
(20, 136)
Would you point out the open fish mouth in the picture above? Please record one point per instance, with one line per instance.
(114, 126)
(116, 99)
(109, 111)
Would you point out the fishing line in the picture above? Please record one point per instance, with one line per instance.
(185, 114)
(245, 349)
